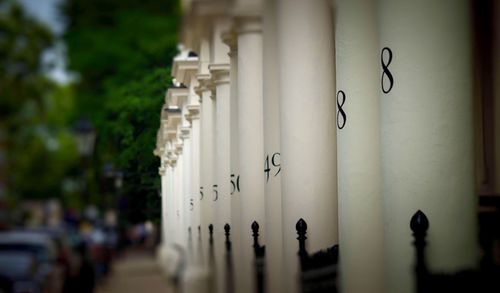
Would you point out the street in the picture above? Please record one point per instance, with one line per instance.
(135, 271)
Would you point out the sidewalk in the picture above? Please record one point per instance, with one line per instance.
(136, 271)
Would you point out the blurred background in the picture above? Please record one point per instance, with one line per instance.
(80, 85)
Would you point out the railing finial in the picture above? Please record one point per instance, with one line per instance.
(301, 228)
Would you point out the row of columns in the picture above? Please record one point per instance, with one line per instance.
(350, 114)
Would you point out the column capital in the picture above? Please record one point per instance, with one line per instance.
(247, 8)
(161, 171)
(204, 83)
(172, 158)
(220, 73)
(178, 148)
(157, 152)
(248, 25)
(230, 38)
(193, 112)
(185, 133)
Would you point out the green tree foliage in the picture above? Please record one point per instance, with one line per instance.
(22, 41)
(122, 51)
(44, 152)
(34, 112)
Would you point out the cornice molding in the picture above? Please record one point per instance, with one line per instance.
(183, 68)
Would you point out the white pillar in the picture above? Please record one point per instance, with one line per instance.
(360, 200)
(251, 144)
(223, 167)
(170, 210)
(230, 39)
(308, 128)
(207, 152)
(195, 277)
(219, 70)
(180, 233)
(207, 161)
(194, 198)
(193, 116)
(164, 188)
(426, 134)
(170, 198)
(186, 182)
(272, 163)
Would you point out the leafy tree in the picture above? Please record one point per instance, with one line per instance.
(122, 50)
(22, 41)
(36, 149)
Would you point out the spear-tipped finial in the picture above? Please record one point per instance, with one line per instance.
(419, 222)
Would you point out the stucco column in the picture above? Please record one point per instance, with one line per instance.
(195, 277)
(230, 39)
(219, 70)
(186, 181)
(272, 161)
(170, 210)
(194, 198)
(308, 128)
(358, 141)
(426, 134)
(223, 166)
(251, 142)
(170, 197)
(206, 160)
(162, 171)
(207, 111)
(180, 232)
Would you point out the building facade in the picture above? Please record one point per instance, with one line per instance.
(351, 115)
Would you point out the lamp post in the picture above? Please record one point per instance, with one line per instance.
(85, 135)
(111, 185)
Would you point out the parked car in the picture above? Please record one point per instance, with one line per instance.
(66, 255)
(19, 273)
(43, 249)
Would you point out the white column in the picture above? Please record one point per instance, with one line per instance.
(426, 134)
(180, 233)
(169, 202)
(223, 168)
(219, 69)
(170, 210)
(308, 128)
(230, 39)
(360, 200)
(164, 188)
(207, 179)
(251, 142)
(186, 182)
(272, 163)
(194, 198)
(207, 161)
(193, 116)
(195, 277)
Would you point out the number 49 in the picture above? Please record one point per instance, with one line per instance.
(274, 162)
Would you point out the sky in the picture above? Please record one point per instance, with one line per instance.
(46, 12)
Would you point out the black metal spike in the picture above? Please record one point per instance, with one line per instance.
(301, 228)
(255, 234)
(419, 222)
(211, 233)
(419, 225)
(227, 230)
